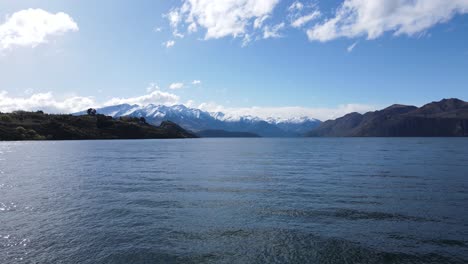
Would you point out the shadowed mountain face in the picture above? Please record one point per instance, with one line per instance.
(40, 126)
(447, 118)
(197, 120)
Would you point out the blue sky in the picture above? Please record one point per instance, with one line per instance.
(102, 52)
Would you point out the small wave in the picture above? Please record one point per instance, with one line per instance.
(447, 242)
(292, 246)
(156, 204)
(347, 214)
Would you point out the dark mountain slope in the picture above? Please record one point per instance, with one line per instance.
(39, 126)
(446, 118)
(447, 108)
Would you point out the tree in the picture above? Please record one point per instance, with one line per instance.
(91, 111)
(143, 120)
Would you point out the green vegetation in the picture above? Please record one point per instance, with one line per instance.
(21, 125)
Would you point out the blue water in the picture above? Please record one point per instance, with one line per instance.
(319, 200)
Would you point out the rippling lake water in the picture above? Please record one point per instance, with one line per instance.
(320, 200)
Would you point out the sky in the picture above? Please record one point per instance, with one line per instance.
(278, 58)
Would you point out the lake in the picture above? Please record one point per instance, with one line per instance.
(300, 200)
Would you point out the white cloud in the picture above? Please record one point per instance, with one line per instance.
(356, 18)
(29, 91)
(175, 18)
(221, 18)
(351, 48)
(246, 40)
(296, 6)
(157, 29)
(254, 19)
(152, 87)
(44, 101)
(289, 112)
(258, 22)
(71, 104)
(169, 43)
(272, 32)
(190, 103)
(31, 27)
(176, 86)
(192, 27)
(155, 97)
(177, 34)
(300, 21)
(196, 82)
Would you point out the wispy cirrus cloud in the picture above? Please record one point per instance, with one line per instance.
(302, 20)
(352, 46)
(300, 14)
(273, 31)
(31, 27)
(296, 6)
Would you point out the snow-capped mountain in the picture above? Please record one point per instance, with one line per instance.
(196, 120)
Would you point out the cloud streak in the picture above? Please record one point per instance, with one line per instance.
(273, 32)
(352, 46)
(300, 21)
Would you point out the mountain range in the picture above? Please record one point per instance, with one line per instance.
(448, 117)
(445, 118)
(197, 120)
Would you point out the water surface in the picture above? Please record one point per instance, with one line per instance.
(319, 200)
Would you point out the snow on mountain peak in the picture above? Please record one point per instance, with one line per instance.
(160, 111)
(195, 119)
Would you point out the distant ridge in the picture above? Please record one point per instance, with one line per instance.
(197, 120)
(446, 118)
